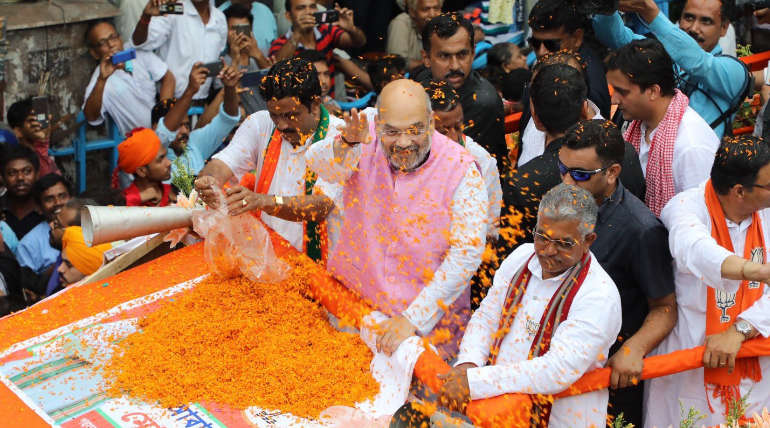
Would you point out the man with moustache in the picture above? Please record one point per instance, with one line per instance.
(35, 252)
(714, 82)
(126, 91)
(415, 216)
(448, 47)
(270, 148)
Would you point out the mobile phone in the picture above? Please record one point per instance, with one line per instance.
(171, 8)
(123, 56)
(242, 29)
(327, 16)
(214, 68)
(252, 79)
(40, 108)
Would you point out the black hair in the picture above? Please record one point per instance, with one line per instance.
(558, 92)
(603, 135)
(46, 182)
(445, 26)
(443, 97)
(497, 56)
(79, 204)
(512, 84)
(312, 55)
(645, 63)
(93, 25)
(738, 161)
(161, 109)
(19, 151)
(562, 56)
(237, 10)
(18, 112)
(555, 14)
(294, 77)
(384, 69)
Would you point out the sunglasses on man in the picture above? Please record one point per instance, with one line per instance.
(578, 174)
(551, 45)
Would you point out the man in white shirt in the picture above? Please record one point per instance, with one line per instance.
(414, 217)
(405, 30)
(125, 91)
(199, 34)
(560, 311)
(449, 121)
(718, 233)
(676, 146)
(268, 149)
(533, 139)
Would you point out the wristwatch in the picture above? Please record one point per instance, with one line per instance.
(743, 327)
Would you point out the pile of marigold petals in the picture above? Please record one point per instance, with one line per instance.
(243, 344)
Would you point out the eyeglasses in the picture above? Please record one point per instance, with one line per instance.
(552, 45)
(545, 239)
(411, 133)
(579, 174)
(105, 41)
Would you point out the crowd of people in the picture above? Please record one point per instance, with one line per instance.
(625, 201)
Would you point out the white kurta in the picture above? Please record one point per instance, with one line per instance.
(182, 40)
(129, 97)
(488, 166)
(580, 343)
(246, 152)
(697, 265)
(533, 140)
(694, 149)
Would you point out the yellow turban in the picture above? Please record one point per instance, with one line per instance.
(86, 259)
(140, 148)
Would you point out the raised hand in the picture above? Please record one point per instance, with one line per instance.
(198, 76)
(152, 8)
(346, 21)
(356, 129)
(230, 75)
(106, 67)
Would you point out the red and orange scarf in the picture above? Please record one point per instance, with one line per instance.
(554, 314)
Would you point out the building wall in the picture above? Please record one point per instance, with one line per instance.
(47, 55)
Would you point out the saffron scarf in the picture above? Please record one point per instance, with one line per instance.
(555, 312)
(659, 171)
(723, 308)
(315, 240)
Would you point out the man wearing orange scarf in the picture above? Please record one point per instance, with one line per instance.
(718, 233)
(78, 259)
(142, 155)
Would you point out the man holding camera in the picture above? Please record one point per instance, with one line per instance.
(715, 83)
(197, 33)
(307, 33)
(126, 91)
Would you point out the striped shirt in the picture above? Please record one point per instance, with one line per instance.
(326, 39)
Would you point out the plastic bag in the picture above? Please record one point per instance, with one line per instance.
(238, 245)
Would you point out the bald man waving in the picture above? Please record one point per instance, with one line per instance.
(414, 217)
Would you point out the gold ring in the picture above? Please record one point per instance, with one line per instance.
(243, 201)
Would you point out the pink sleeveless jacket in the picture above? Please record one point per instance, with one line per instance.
(396, 230)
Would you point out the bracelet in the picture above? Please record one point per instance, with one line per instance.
(349, 143)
